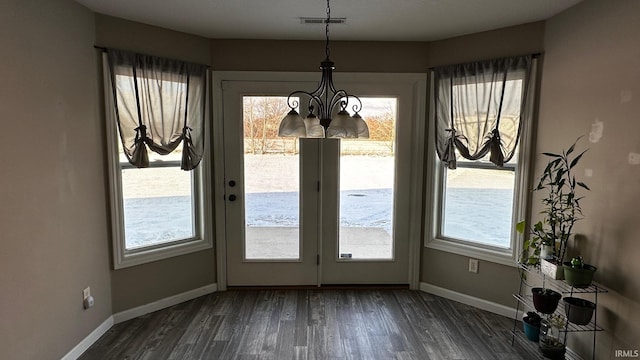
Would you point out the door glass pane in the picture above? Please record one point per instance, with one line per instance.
(272, 182)
(367, 176)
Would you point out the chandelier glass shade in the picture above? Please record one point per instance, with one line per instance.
(322, 103)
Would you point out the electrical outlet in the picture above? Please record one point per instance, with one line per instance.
(473, 266)
(86, 293)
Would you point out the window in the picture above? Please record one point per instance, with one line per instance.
(480, 189)
(160, 212)
(477, 204)
(158, 209)
(158, 206)
(476, 207)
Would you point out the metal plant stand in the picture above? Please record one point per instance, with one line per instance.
(562, 287)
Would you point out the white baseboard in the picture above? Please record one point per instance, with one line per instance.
(89, 340)
(133, 313)
(163, 303)
(469, 300)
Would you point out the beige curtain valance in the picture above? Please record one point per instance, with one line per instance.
(159, 104)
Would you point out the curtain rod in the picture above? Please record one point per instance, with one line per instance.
(534, 55)
(104, 49)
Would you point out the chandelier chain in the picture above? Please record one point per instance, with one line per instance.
(326, 50)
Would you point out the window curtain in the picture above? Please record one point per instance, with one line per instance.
(479, 108)
(158, 104)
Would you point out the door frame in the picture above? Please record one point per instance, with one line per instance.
(418, 81)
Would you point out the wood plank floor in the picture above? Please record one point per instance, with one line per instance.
(315, 324)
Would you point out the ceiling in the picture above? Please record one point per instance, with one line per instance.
(366, 20)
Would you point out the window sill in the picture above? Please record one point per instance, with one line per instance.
(505, 257)
(139, 257)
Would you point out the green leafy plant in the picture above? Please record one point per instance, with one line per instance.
(561, 207)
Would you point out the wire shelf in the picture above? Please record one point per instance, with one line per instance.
(567, 290)
(527, 301)
(560, 285)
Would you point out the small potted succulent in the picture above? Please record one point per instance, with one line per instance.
(577, 273)
(531, 323)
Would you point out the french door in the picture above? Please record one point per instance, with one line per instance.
(316, 211)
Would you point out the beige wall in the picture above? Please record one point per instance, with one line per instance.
(514, 40)
(592, 73)
(53, 213)
(349, 56)
(151, 40)
(143, 284)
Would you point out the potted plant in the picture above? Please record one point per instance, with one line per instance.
(531, 323)
(577, 273)
(550, 343)
(545, 300)
(579, 311)
(560, 211)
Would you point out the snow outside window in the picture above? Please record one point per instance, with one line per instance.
(477, 204)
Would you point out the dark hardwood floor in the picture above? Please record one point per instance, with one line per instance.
(315, 324)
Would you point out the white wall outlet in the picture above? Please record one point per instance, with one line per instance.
(86, 293)
(88, 302)
(473, 266)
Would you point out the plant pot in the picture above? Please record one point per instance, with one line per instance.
(578, 277)
(546, 252)
(531, 332)
(552, 349)
(551, 269)
(578, 311)
(545, 300)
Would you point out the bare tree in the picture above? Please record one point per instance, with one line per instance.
(262, 116)
(382, 127)
(249, 123)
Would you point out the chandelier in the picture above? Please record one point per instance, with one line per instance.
(319, 122)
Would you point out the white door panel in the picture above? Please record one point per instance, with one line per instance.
(268, 240)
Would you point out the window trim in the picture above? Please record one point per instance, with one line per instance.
(123, 258)
(435, 194)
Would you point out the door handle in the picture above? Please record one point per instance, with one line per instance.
(232, 197)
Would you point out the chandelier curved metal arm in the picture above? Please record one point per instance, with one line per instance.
(325, 99)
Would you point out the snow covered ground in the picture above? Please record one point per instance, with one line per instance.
(479, 205)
